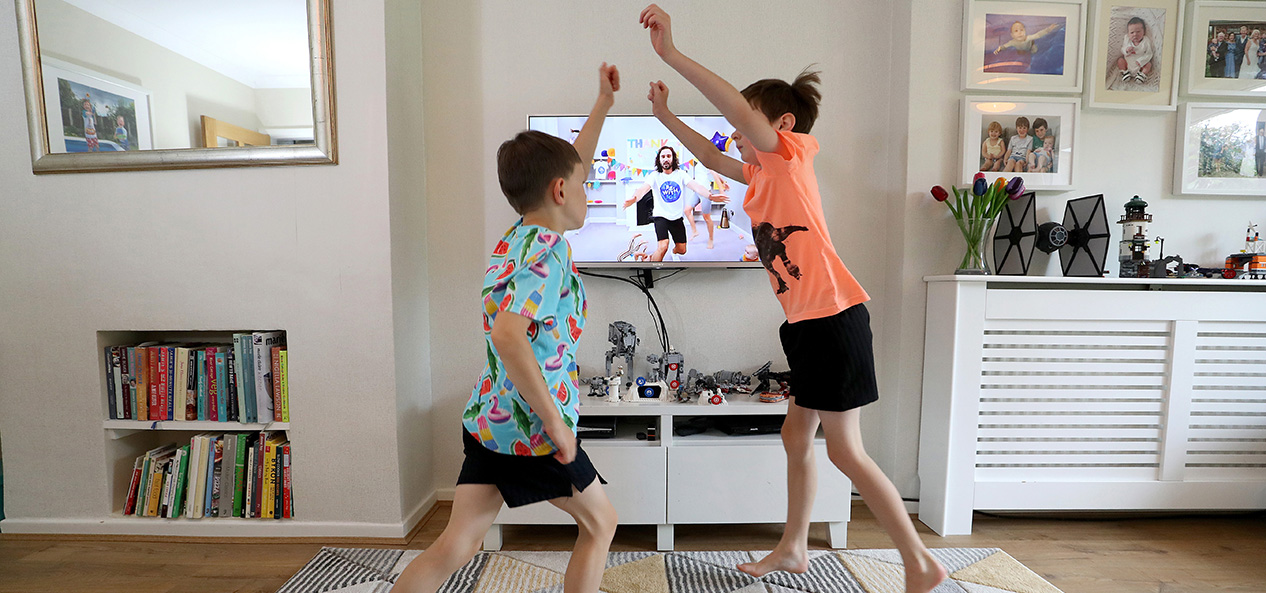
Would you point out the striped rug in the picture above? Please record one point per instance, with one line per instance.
(369, 570)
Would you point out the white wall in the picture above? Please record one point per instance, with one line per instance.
(181, 89)
(1120, 154)
(305, 249)
(489, 64)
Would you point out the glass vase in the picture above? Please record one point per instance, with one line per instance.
(976, 235)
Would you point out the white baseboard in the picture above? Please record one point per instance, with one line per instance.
(445, 494)
(419, 512)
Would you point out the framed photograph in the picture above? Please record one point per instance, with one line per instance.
(1024, 45)
(1033, 137)
(1227, 49)
(1223, 150)
(1134, 54)
(93, 112)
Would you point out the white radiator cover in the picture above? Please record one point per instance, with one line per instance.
(1091, 394)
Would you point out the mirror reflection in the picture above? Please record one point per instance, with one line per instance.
(136, 75)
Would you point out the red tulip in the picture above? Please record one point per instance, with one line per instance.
(940, 194)
(978, 176)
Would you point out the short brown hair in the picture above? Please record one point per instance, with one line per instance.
(1022, 122)
(528, 163)
(775, 97)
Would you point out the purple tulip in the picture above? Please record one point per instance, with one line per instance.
(1015, 187)
(940, 194)
(980, 186)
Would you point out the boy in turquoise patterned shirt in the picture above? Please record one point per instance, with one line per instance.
(519, 425)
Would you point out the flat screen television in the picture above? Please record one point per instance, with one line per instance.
(615, 236)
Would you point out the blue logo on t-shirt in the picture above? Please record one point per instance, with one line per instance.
(670, 192)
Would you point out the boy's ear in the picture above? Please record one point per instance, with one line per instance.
(556, 190)
(786, 122)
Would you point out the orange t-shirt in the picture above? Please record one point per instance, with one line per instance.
(790, 232)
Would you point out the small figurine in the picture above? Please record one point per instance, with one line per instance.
(623, 338)
(1250, 262)
(1133, 252)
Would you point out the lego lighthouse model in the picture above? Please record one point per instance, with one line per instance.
(1134, 244)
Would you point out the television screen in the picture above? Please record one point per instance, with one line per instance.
(716, 233)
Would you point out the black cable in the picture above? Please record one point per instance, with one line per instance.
(661, 331)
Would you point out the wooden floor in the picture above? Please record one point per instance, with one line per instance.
(1184, 554)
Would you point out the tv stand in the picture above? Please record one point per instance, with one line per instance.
(705, 478)
(647, 276)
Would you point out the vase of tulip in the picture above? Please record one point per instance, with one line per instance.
(975, 211)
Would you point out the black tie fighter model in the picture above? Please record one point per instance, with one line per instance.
(1082, 240)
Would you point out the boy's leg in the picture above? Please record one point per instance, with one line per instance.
(707, 221)
(660, 250)
(844, 446)
(792, 552)
(596, 519)
(475, 506)
(690, 220)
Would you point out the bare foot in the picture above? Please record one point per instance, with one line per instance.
(709, 243)
(797, 562)
(694, 234)
(924, 576)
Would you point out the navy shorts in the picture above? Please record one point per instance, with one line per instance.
(522, 479)
(832, 361)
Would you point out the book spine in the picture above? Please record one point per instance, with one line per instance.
(248, 379)
(285, 387)
(112, 394)
(191, 386)
(168, 481)
(202, 385)
(239, 393)
(226, 476)
(278, 495)
(180, 379)
(142, 383)
(222, 397)
(257, 495)
(248, 494)
(126, 374)
(274, 357)
(142, 492)
(213, 386)
(239, 474)
(182, 478)
(191, 488)
(263, 343)
(164, 379)
(155, 497)
(287, 503)
(209, 477)
(216, 473)
(153, 356)
(231, 395)
(169, 403)
(266, 506)
(129, 507)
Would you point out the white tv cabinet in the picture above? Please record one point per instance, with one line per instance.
(705, 478)
(1091, 394)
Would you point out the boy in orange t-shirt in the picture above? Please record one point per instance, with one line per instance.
(827, 336)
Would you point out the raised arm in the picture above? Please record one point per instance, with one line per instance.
(587, 140)
(699, 188)
(708, 153)
(637, 194)
(748, 121)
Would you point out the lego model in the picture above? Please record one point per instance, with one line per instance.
(1134, 245)
(667, 368)
(623, 338)
(1250, 262)
(771, 384)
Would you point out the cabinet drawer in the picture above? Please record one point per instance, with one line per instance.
(635, 477)
(745, 484)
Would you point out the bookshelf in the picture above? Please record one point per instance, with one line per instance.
(204, 404)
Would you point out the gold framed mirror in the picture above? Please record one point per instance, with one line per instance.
(120, 85)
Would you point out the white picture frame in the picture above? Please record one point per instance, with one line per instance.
(113, 98)
(1208, 18)
(1158, 91)
(1208, 130)
(1054, 65)
(1060, 114)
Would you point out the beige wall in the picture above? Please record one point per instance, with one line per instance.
(305, 249)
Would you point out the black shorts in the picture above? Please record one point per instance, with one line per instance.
(665, 227)
(521, 479)
(832, 361)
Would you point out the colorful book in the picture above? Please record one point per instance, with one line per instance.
(202, 384)
(154, 500)
(285, 388)
(247, 378)
(181, 383)
(230, 404)
(170, 397)
(129, 506)
(208, 503)
(125, 373)
(275, 358)
(142, 382)
(263, 343)
(213, 386)
(267, 495)
(217, 472)
(226, 470)
(182, 479)
(164, 381)
(248, 494)
(239, 473)
(152, 356)
(169, 482)
(191, 384)
(278, 494)
(112, 394)
(131, 382)
(222, 383)
(239, 391)
(287, 500)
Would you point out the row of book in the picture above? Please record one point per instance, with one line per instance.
(240, 381)
(215, 475)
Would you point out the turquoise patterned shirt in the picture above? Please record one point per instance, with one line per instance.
(530, 273)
